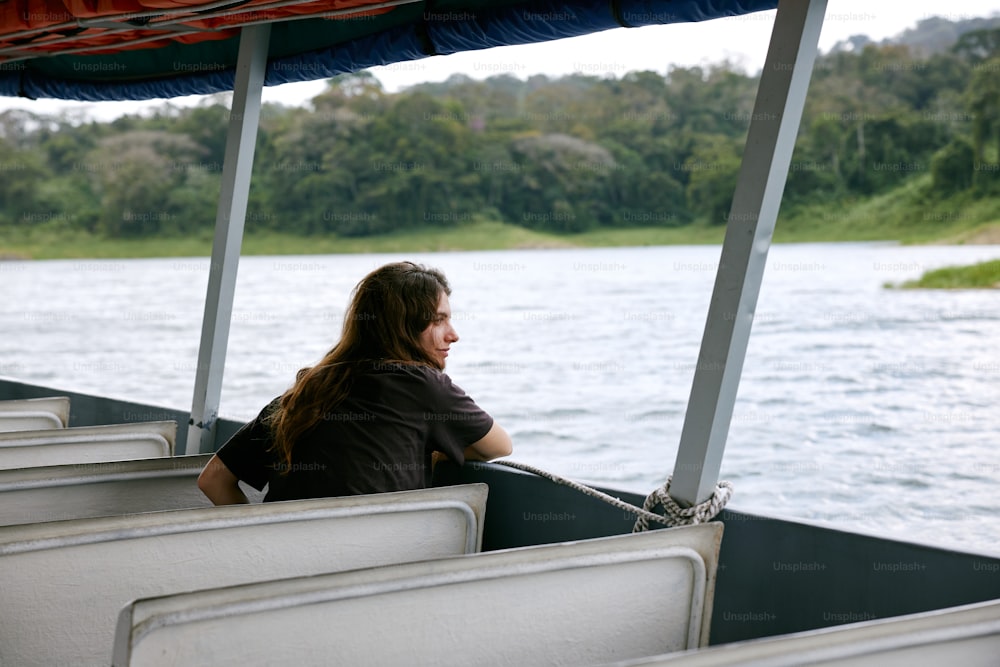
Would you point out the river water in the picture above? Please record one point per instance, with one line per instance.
(868, 408)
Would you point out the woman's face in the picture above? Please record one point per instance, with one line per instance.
(437, 338)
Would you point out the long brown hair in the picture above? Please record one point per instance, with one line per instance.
(389, 310)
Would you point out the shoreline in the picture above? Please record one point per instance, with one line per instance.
(43, 244)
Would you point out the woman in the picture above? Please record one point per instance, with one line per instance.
(373, 414)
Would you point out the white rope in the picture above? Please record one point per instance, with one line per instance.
(674, 514)
(684, 516)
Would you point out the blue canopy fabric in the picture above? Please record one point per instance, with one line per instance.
(317, 47)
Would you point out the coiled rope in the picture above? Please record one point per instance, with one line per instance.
(673, 514)
(683, 516)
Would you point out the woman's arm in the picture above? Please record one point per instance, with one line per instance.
(493, 445)
(220, 485)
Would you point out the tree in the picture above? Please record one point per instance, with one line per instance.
(565, 184)
(21, 175)
(952, 167)
(978, 46)
(135, 174)
(983, 99)
(713, 169)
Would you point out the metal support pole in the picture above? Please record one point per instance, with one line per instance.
(766, 160)
(230, 218)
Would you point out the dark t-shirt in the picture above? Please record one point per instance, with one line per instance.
(379, 439)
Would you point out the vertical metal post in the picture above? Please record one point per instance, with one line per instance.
(766, 160)
(229, 222)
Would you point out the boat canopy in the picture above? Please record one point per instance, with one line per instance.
(100, 50)
(96, 50)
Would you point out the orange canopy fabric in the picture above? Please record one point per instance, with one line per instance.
(46, 27)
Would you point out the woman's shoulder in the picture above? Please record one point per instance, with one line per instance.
(413, 372)
(413, 369)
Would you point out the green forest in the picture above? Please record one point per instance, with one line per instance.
(886, 126)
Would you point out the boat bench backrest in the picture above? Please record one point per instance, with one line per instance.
(29, 414)
(58, 493)
(968, 636)
(65, 582)
(576, 603)
(87, 444)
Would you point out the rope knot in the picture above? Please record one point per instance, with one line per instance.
(675, 515)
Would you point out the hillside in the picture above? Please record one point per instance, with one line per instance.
(894, 143)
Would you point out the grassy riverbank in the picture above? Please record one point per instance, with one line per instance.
(44, 244)
(903, 215)
(906, 214)
(976, 276)
(48, 244)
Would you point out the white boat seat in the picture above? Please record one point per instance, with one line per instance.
(58, 493)
(968, 636)
(87, 444)
(65, 582)
(29, 414)
(576, 603)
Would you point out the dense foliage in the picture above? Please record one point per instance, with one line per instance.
(565, 155)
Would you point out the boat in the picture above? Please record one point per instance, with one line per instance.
(843, 580)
